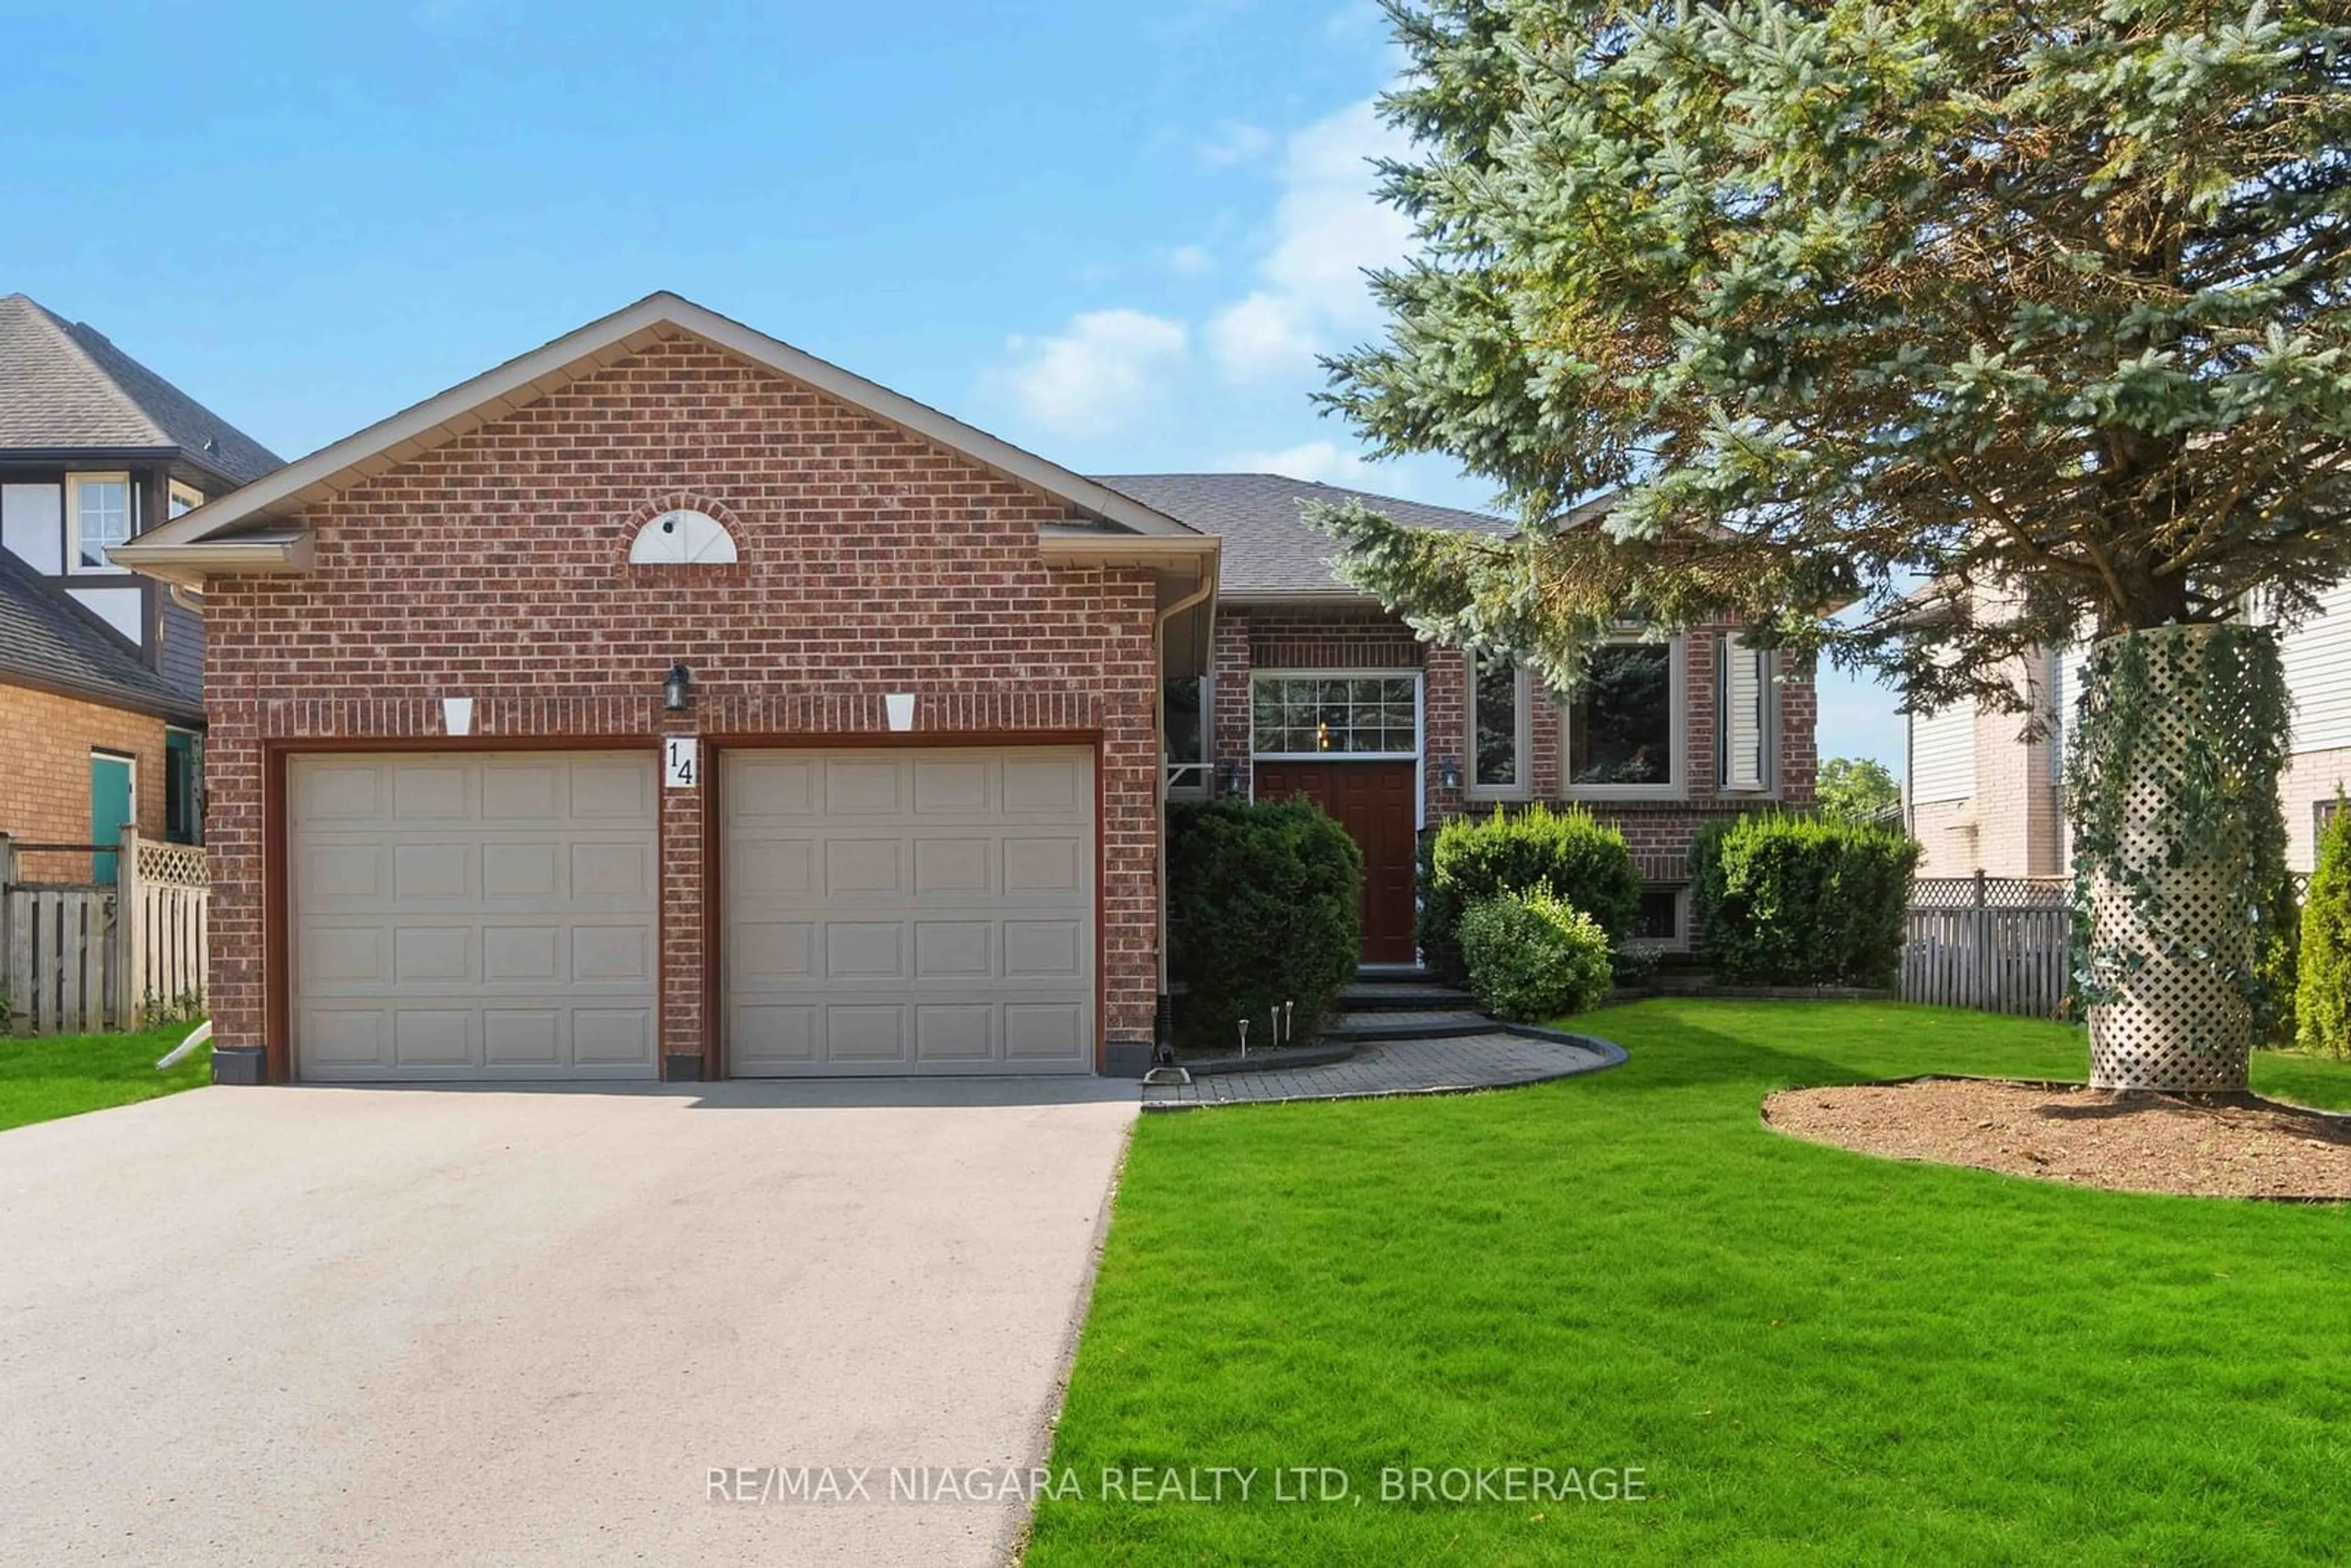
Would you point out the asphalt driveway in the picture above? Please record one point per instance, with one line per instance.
(339, 1326)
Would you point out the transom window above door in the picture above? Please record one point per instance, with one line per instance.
(1335, 715)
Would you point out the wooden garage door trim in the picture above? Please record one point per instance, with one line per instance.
(277, 906)
(715, 1062)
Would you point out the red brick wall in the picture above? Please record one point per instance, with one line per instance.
(44, 783)
(495, 567)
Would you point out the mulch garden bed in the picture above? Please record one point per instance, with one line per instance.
(2124, 1142)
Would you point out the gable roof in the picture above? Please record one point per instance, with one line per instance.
(64, 388)
(50, 643)
(239, 532)
(1271, 552)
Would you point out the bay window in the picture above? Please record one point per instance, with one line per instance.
(1744, 730)
(1500, 701)
(1625, 722)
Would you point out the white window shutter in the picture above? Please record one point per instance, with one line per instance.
(1745, 682)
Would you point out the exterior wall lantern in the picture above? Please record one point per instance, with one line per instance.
(675, 689)
(1449, 773)
(1229, 778)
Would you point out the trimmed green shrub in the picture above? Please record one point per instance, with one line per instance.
(1472, 859)
(1264, 900)
(1789, 900)
(2323, 996)
(1532, 955)
(2277, 953)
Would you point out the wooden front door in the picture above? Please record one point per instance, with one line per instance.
(1373, 801)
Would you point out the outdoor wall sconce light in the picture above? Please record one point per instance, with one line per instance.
(1449, 773)
(1229, 778)
(675, 687)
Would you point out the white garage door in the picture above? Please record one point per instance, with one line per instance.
(908, 912)
(489, 916)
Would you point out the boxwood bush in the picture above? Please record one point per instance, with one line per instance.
(1264, 900)
(1790, 900)
(2323, 996)
(1471, 859)
(1532, 955)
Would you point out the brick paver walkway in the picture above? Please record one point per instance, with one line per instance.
(1495, 1060)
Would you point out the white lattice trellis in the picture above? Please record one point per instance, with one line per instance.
(2174, 1019)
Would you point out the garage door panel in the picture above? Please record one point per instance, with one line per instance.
(935, 913)
(427, 792)
(864, 784)
(1052, 868)
(866, 1034)
(513, 938)
(859, 866)
(1046, 1033)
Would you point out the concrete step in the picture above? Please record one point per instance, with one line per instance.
(1433, 1023)
(1418, 996)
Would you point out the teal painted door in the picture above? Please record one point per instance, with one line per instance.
(110, 807)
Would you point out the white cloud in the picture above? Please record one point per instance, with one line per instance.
(1108, 366)
(1236, 141)
(1327, 228)
(1191, 261)
(1326, 461)
(1262, 336)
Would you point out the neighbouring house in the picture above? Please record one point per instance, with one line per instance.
(1983, 794)
(101, 669)
(667, 702)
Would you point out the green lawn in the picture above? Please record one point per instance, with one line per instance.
(1816, 1356)
(66, 1075)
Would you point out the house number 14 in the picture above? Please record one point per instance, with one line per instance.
(681, 762)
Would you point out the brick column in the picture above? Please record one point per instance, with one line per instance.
(684, 1029)
(1229, 697)
(1444, 726)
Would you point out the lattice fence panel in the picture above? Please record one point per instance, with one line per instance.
(2175, 1019)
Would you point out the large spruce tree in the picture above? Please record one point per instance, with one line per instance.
(2042, 305)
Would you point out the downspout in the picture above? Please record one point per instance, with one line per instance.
(1159, 734)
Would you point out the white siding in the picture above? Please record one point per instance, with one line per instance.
(33, 524)
(1943, 754)
(2317, 657)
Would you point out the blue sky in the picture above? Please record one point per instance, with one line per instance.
(1116, 234)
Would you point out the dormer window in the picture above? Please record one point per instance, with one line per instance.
(683, 537)
(185, 498)
(98, 510)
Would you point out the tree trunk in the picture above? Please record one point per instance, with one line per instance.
(2171, 941)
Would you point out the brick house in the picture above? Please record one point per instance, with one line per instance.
(666, 702)
(101, 669)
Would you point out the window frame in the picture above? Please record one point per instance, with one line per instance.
(188, 776)
(74, 484)
(176, 492)
(1767, 719)
(1522, 721)
(1419, 716)
(1676, 784)
(1684, 906)
(1206, 765)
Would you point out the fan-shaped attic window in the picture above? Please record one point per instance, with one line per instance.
(683, 538)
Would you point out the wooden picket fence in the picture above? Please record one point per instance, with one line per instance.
(84, 956)
(1996, 944)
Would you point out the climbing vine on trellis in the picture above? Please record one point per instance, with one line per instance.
(2217, 802)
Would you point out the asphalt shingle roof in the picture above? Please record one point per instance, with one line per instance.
(64, 386)
(49, 640)
(1269, 547)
